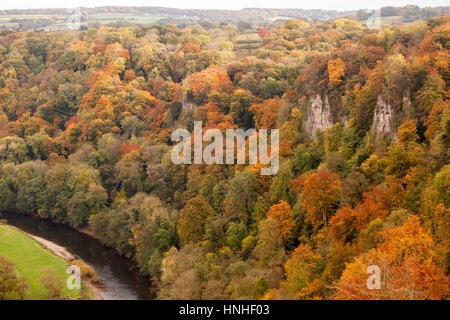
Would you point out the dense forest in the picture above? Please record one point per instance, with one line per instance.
(85, 139)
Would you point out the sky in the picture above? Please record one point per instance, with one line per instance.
(228, 4)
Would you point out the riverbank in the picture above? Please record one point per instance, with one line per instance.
(30, 259)
(66, 255)
(118, 276)
(53, 247)
(10, 236)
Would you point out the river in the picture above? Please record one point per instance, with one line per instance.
(119, 276)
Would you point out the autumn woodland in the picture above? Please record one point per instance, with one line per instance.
(86, 118)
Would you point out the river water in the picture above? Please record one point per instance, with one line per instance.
(119, 276)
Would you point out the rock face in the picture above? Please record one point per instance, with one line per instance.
(188, 106)
(318, 117)
(382, 118)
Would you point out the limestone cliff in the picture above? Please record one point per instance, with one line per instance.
(382, 118)
(319, 116)
(188, 106)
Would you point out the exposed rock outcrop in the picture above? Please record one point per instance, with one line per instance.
(319, 116)
(382, 118)
(188, 106)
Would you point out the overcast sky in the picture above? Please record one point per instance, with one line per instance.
(227, 4)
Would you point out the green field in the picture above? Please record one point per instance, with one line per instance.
(60, 22)
(29, 258)
(139, 19)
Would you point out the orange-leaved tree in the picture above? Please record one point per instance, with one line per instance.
(405, 266)
(321, 196)
(283, 216)
(302, 276)
(336, 70)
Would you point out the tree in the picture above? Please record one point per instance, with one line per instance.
(87, 272)
(13, 149)
(434, 120)
(130, 172)
(241, 196)
(259, 212)
(4, 125)
(375, 205)
(321, 196)
(283, 216)
(78, 211)
(269, 248)
(199, 85)
(181, 270)
(336, 70)
(11, 285)
(265, 114)
(348, 223)
(303, 160)
(343, 225)
(239, 108)
(235, 235)
(301, 270)
(279, 187)
(395, 71)
(405, 260)
(432, 92)
(441, 184)
(192, 218)
(271, 88)
(405, 167)
(337, 259)
(52, 283)
(152, 232)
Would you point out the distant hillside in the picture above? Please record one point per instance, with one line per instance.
(55, 19)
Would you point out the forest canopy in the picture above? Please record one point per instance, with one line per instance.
(363, 114)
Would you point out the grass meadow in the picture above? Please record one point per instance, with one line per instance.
(30, 258)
